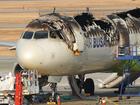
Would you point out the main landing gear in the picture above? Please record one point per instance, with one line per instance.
(89, 87)
(77, 84)
(81, 88)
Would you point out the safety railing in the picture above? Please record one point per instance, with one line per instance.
(128, 53)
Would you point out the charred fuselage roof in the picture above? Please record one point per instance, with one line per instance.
(44, 21)
(133, 12)
(84, 19)
(116, 28)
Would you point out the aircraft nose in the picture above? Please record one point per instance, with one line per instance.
(29, 56)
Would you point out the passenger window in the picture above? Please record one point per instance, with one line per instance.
(41, 35)
(28, 35)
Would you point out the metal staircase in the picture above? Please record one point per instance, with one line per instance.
(128, 54)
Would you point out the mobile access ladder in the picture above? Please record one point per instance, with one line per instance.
(128, 54)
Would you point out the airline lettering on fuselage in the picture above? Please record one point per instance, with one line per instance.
(96, 41)
(101, 41)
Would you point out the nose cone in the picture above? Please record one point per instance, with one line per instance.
(29, 55)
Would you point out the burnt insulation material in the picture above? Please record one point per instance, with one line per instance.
(36, 24)
(84, 20)
(103, 24)
(134, 13)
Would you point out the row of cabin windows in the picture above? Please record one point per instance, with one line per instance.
(41, 35)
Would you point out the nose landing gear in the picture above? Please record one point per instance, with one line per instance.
(53, 87)
(53, 96)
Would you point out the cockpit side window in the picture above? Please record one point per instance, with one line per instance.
(40, 35)
(59, 35)
(53, 34)
(28, 35)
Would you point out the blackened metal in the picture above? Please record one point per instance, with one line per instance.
(84, 20)
(65, 27)
(121, 30)
(100, 33)
(133, 12)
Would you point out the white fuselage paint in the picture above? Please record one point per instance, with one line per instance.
(52, 57)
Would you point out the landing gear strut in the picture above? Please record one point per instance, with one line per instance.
(53, 87)
(77, 84)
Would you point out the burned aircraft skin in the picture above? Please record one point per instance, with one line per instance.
(101, 33)
(66, 28)
(57, 45)
(118, 29)
(131, 19)
(78, 40)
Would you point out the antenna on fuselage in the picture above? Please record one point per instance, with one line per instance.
(87, 10)
(39, 12)
(54, 10)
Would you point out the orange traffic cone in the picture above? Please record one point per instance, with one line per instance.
(58, 100)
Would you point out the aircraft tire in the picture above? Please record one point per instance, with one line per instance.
(89, 86)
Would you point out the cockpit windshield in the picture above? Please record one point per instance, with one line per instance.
(40, 35)
(27, 35)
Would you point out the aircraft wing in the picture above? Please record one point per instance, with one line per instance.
(11, 45)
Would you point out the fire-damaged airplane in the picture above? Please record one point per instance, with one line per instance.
(57, 45)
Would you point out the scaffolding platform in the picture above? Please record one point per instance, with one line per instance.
(128, 57)
(128, 54)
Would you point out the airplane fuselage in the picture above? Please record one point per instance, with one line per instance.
(50, 42)
(52, 57)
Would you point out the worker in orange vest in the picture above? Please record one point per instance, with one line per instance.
(58, 100)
